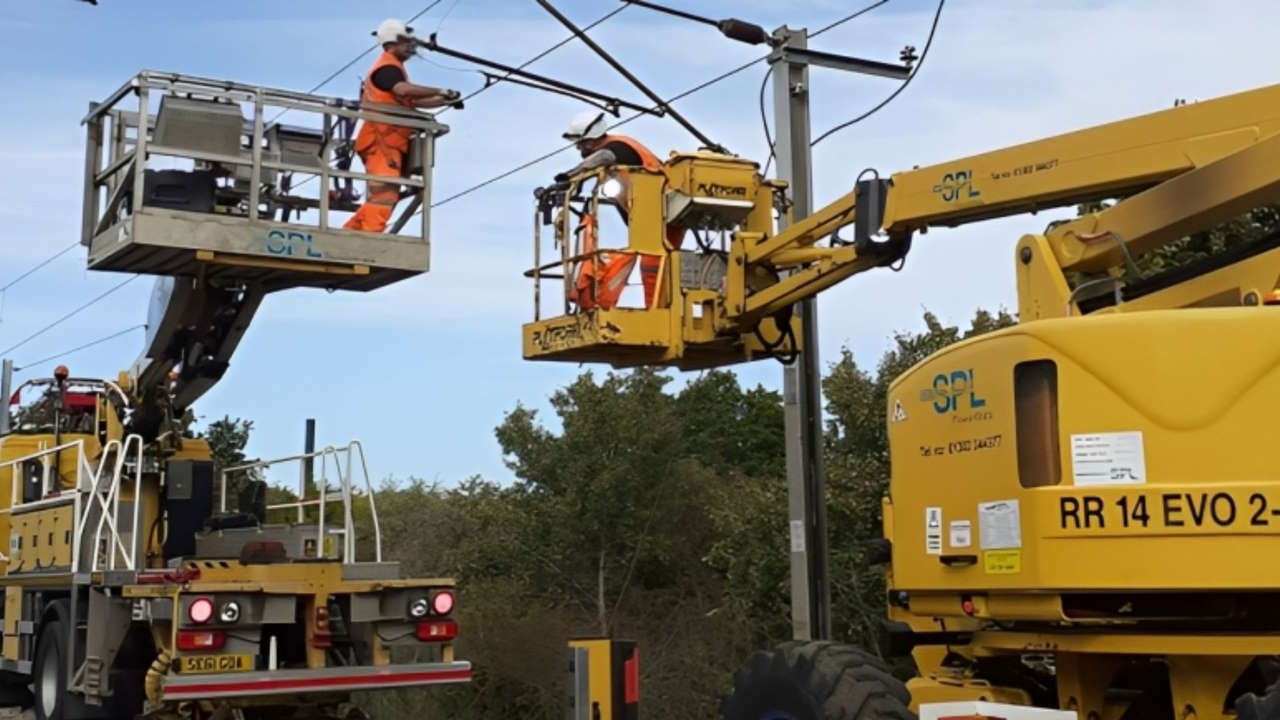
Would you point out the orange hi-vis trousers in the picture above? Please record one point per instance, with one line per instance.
(650, 265)
(381, 198)
(601, 285)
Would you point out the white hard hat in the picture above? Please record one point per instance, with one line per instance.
(392, 30)
(586, 125)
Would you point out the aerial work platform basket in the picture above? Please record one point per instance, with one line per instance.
(686, 225)
(217, 188)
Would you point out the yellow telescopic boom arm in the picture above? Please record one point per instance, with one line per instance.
(1178, 169)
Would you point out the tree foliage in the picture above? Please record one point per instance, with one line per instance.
(607, 530)
(1253, 227)
(644, 511)
(227, 440)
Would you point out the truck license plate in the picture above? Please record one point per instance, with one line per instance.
(215, 663)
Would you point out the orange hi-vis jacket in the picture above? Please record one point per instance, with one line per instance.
(382, 147)
(376, 134)
(603, 287)
(647, 158)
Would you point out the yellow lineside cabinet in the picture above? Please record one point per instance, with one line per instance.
(604, 679)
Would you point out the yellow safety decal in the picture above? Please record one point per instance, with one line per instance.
(200, 664)
(1002, 562)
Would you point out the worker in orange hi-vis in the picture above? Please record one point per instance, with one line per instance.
(602, 149)
(383, 146)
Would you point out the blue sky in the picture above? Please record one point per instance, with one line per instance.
(424, 370)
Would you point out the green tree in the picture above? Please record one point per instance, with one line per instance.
(606, 530)
(602, 485)
(729, 429)
(227, 440)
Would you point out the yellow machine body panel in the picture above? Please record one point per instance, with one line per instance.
(40, 540)
(15, 446)
(36, 538)
(12, 615)
(1113, 452)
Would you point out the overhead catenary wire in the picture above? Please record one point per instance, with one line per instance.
(442, 66)
(69, 315)
(621, 68)
(851, 16)
(334, 75)
(78, 348)
(4, 290)
(916, 71)
(524, 166)
(696, 89)
(446, 14)
(568, 39)
(764, 118)
(39, 266)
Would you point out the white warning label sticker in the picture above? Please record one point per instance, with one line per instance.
(1115, 458)
(797, 536)
(961, 534)
(899, 412)
(999, 525)
(933, 530)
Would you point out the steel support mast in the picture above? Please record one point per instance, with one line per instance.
(802, 379)
(6, 393)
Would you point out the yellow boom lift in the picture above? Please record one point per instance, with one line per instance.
(134, 578)
(1082, 513)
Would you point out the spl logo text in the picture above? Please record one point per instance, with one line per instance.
(949, 390)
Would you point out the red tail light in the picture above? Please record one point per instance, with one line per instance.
(200, 611)
(201, 639)
(437, 630)
(442, 603)
(321, 638)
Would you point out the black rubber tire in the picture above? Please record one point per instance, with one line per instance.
(53, 641)
(49, 659)
(1254, 707)
(817, 681)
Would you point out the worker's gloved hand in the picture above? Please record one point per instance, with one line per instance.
(452, 95)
